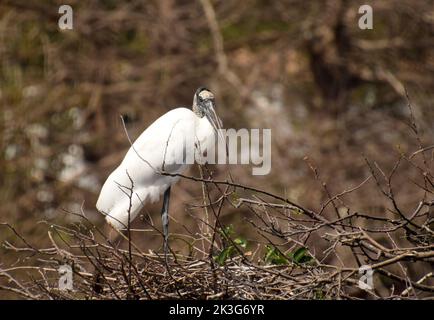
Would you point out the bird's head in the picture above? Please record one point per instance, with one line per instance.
(204, 106)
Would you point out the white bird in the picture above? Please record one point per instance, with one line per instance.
(158, 149)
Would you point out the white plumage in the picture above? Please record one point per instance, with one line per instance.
(161, 144)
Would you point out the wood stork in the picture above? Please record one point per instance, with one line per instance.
(158, 149)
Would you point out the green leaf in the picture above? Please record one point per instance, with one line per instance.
(300, 255)
(274, 256)
(319, 294)
(241, 242)
(230, 245)
(224, 255)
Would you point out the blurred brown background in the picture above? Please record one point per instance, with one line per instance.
(327, 89)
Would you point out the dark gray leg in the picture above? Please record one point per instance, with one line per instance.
(165, 219)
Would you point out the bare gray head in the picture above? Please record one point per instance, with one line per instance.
(204, 106)
(202, 99)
